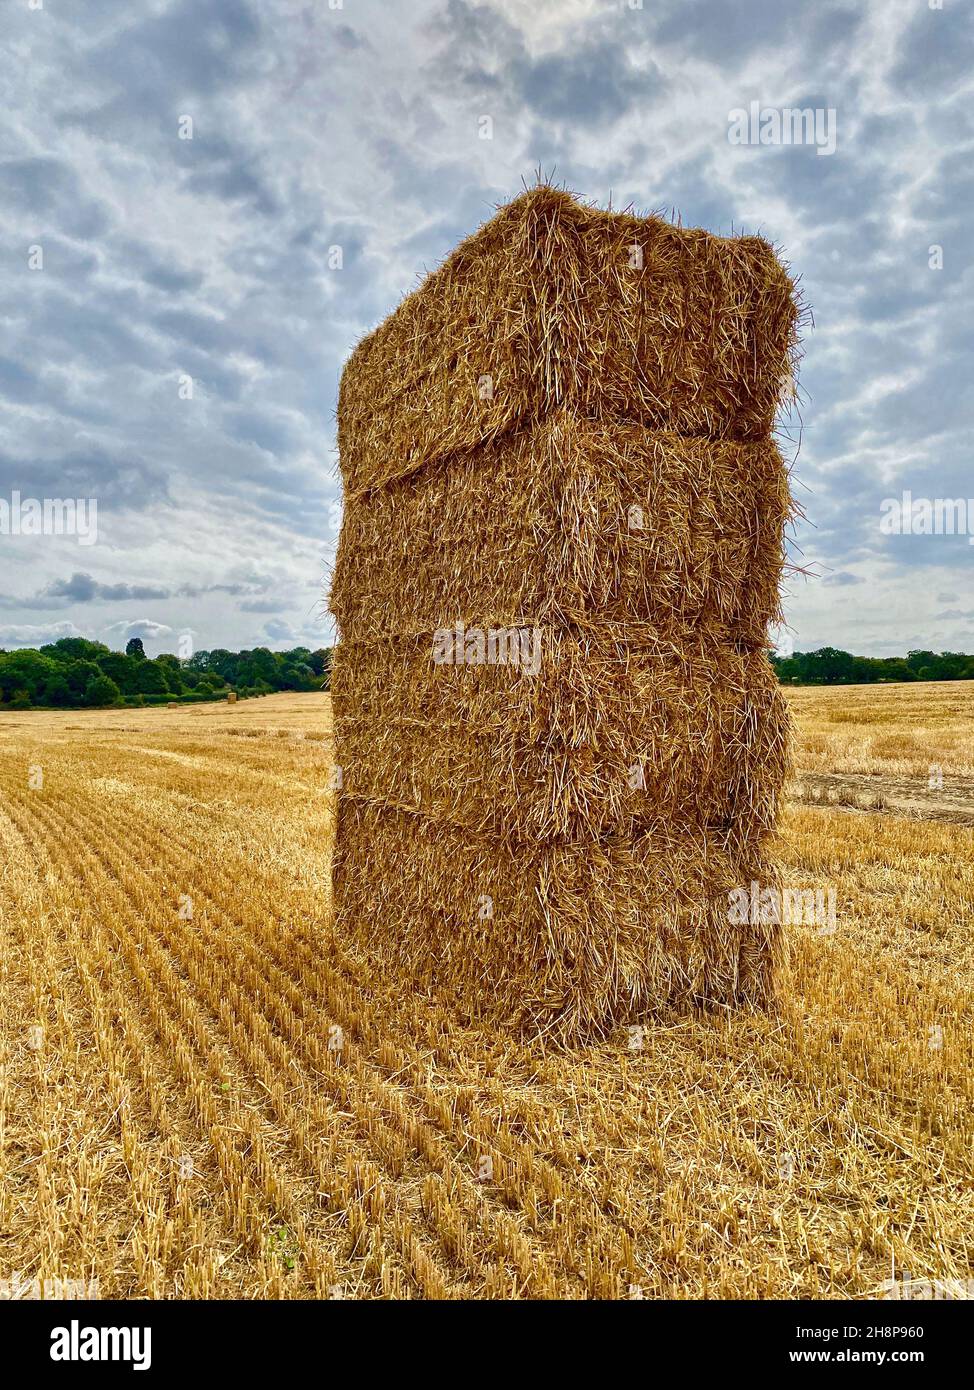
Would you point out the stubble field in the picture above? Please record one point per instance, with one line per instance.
(203, 1094)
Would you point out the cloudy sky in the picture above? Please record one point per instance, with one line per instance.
(174, 323)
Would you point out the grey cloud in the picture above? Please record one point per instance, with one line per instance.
(197, 590)
(144, 263)
(726, 30)
(171, 280)
(206, 332)
(116, 483)
(214, 375)
(842, 578)
(98, 329)
(347, 38)
(263, 605)
(43, 188)
(590, 80)
(188, 48)
(935, 51)
(82, 588)
(809, 181)
(591, 85)
(833, 28)
(17, 382)
(220, 168)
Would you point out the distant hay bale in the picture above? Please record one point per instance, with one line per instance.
(172, 704)
(232, 698)
(561, 743)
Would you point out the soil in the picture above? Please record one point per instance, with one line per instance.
(908, 797)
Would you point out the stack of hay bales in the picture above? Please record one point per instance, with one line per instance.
(561, 743)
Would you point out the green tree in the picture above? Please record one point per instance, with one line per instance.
(56, 692)
(828, 666)
(151, 679)
(123, 670)
(102, 691)
(25, 670)
(134, 648)
(79, 676)
(222, 662)
(67, 649)
(896, 668)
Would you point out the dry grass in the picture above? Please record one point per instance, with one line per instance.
(733, 1156)
(884, 731)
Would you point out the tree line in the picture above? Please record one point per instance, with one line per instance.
(74, 672)
(830, 666)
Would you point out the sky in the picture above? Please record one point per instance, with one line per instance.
(205, 204)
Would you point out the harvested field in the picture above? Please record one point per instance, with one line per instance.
(886, 731)
(203, 1093)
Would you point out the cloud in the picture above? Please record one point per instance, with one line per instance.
(48, 190)
(593, 85)
(145, 628)
(934, 51)
(842, 579)
(36, 635)
(591, 80)
(726, 31)
(263, 605)
(81, 588)
(287, 634)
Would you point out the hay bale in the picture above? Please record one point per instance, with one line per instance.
(550, 937)
(232, 697)
(571, 518)
(617, 729)
(553, 594)
(172, 704)
(619, 317)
